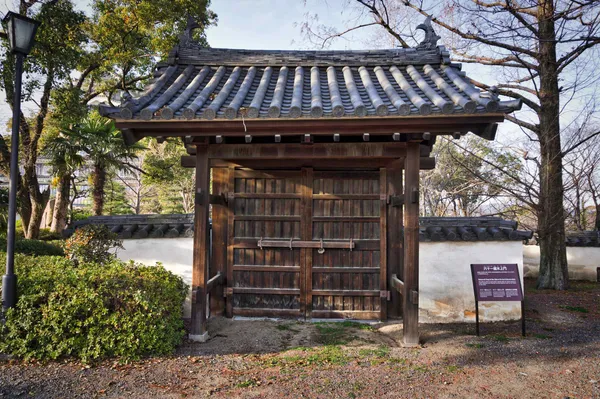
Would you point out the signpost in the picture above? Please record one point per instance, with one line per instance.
(497, 283)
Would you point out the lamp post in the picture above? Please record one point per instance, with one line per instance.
(20, 31)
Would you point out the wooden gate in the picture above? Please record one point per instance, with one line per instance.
(306, 243)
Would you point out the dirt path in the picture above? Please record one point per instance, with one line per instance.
(559, 358)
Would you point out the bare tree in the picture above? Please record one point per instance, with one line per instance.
(545, 49)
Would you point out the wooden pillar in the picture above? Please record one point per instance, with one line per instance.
(201, 246)
(394, 235)
(218, 261)
(411, 246)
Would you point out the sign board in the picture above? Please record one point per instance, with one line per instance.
(497, 282)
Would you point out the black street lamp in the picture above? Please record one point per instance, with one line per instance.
(20, 31)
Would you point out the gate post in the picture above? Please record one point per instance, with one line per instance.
(394, 235)
(201, 246)
(410, 298)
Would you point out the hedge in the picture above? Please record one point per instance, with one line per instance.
(33, 247)
(92, 311)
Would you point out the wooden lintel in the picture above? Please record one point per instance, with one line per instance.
(330, 163)
(300, 151)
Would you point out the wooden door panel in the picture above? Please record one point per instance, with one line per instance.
(345, 283)
(266, 205)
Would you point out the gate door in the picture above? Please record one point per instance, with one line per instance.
(267, 205)
(307, 244)
(347, 283)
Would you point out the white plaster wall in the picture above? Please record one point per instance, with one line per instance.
(582, 261)
(175, 254)
(446, 286)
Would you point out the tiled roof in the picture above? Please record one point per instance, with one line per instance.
(206, 84)
(142, 226)
(470, 229)
(431, 229)
(590, 238)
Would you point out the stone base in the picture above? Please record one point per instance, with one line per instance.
(199, 338)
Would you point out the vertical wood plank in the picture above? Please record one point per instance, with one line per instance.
(411, 245)
(218, 262)
(201, 245)
(383, 286)
(230, 250)
(306, 234)
(394, 237)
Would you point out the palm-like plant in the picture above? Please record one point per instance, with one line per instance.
(65, 158)
(103, 144)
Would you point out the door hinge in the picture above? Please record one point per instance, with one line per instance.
(385, 294)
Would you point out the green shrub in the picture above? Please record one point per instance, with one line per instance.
(92, 243)
(33, 247)
(92, 311)
(47, 235)
(80, 214)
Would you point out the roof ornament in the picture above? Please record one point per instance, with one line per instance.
(185, 39)
(431, 38)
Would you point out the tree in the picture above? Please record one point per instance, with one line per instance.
(139, 194)
(536, 44)
(58, 47)
(465, 182)
(78, 58)
(116, 198)
(105, 149)
(65, 158)
(173, 183)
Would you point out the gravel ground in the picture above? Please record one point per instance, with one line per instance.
(559, 358)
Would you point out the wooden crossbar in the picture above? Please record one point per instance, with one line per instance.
(213, 282)
(398, 284)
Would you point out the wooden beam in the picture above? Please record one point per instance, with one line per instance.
(201, 246)
(299, 151)
(446, 124)
(327, 163)
(410, 315)
(394, 235)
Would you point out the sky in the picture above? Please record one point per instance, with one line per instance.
(251, 24)
(276, 24)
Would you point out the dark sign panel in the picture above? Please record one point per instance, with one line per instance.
(499, 282)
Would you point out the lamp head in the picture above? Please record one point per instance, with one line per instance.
(20, 31)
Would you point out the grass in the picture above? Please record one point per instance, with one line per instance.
(380, 352)
(543, 336)
(452, 368)
(500, 338)
(338, 333)
(250, 383)
(475, 345)
(579, 309)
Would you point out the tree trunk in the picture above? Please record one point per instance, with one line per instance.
(98, 181)
(551, 216)
(61, 204)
